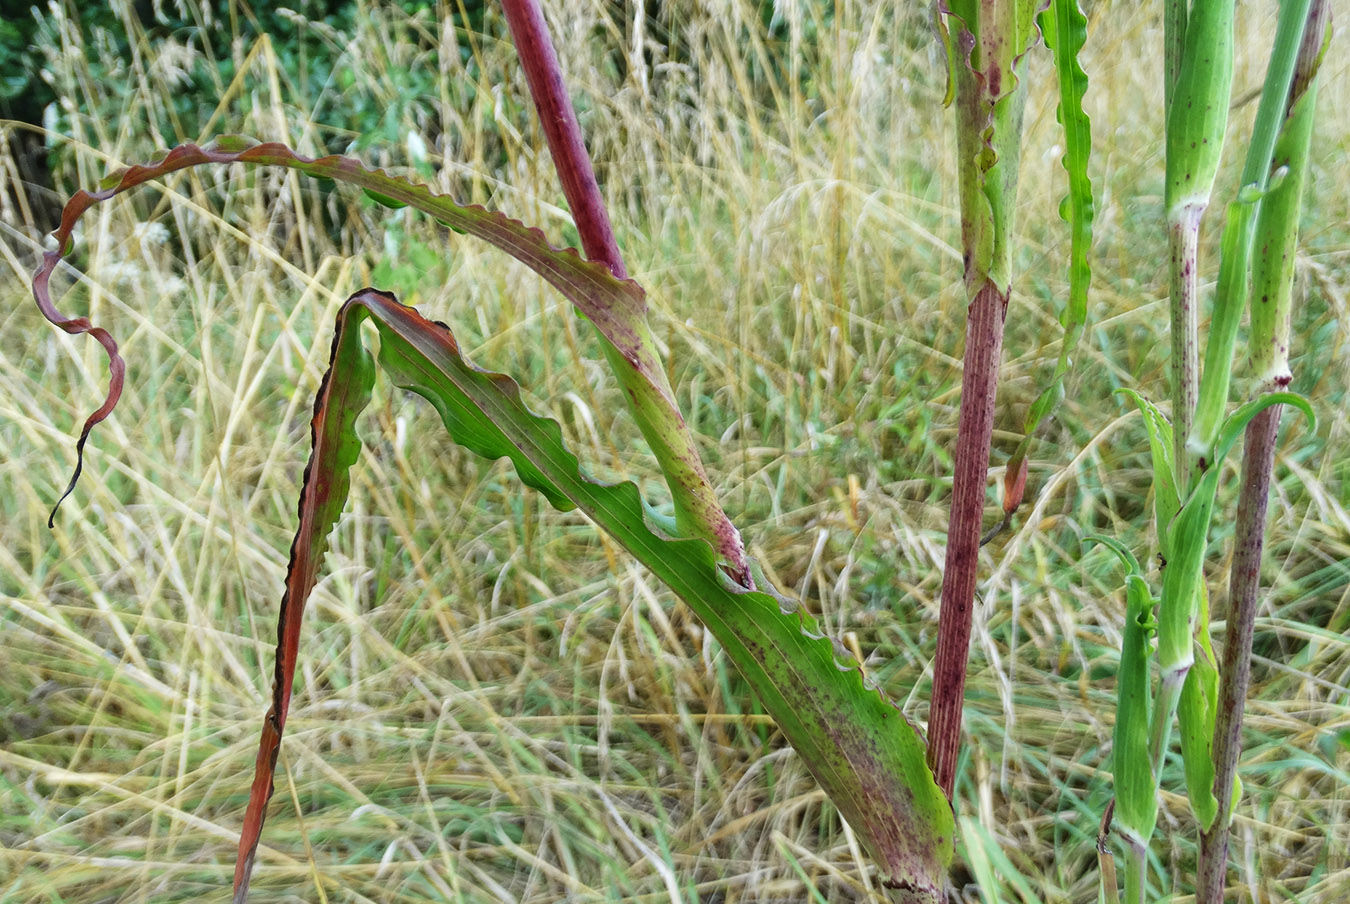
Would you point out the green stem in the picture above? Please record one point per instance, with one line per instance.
(1136, 873)
(1174, 47)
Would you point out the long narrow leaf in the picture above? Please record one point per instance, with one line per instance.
(617, 308)
(854, 740)
(343, 395)
(1166, 496)
(1064, 28)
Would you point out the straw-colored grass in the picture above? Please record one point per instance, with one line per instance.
(494, 704)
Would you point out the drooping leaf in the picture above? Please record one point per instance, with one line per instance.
(617, 308)
(854, 740)
(343, 395)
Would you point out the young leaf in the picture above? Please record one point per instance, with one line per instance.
(1198, 711)
(1136, 785)
(1166, 498)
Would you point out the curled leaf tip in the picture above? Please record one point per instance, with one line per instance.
(75, 326)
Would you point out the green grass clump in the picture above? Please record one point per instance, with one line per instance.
(494, 703)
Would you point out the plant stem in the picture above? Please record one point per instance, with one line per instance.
(1182, 252)
(1174, 48)
(1184, 240)
(1109, 887)
(698, 512)
(1272, 281)
(984, 343)
(1257, 463)
(1136, 873)
(529, 31)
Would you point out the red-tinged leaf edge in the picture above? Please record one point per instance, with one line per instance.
(615, 306)
(905, 822)
(343, 395)
(116, 365)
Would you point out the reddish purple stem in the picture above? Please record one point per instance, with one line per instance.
(979, 383)
(540, 62)
(1258, 461)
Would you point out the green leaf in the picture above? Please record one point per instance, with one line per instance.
(1183, 575)
(1197, 713)
(854, 740)
(1273, 263)
(1166, 498)
(1198, 112)
(1136, 785)
(385, 200)
(1183, 590)
(1064, 28)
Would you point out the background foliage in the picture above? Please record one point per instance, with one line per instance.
(493, 704)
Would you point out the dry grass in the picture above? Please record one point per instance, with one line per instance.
(494, 704)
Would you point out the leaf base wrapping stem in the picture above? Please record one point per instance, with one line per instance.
(1172, 679)
(979, 383)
